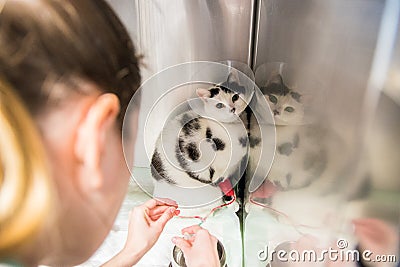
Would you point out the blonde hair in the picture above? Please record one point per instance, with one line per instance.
(25, 188)
(44, 44)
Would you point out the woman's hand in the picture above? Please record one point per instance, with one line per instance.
(200, 249)
(146, 223)
(376, 236)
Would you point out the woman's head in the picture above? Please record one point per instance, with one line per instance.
(73, 67)
(46, 42)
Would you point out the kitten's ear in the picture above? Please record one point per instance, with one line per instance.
(233, 77)
(296, 96)
(203, 93)
(276, 78)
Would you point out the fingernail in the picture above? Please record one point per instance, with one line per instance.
(174, 239)
(177, 212)
(170, 201)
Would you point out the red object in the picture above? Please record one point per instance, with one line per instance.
(226, 188)
(203, 219)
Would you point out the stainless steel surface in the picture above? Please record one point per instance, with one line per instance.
(392, 86)
(330, 42)
(383, 143)
(127, 12)
(178, 259)
(334, 43)
(170, 32)
(175, 31)
(298, 31)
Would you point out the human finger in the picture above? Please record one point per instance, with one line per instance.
(168, 202)
(157, 216)
(157, 210)
(181, 243)
(152, 203)
(191, 229)
(204, 234)
(165, 217)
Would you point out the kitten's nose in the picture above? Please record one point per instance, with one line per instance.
(233, 110)
(276, 112)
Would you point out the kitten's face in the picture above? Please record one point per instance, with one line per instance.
(285, 104)
(221, 103)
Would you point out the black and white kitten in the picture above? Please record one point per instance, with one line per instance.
(196, 151)
(308, 165)
(286, 104)
(225, 101)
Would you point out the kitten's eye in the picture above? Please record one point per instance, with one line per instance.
(273, 99)
(220, 105)
(289, 109)
(235, 97)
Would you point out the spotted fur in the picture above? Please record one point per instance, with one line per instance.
(218, 144)
(158, 170)
(195, 151)
(189, 126)
(310, 160)
(192, 151)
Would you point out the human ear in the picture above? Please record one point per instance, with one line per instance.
(91, 137)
